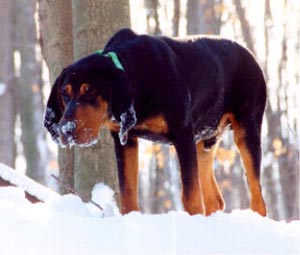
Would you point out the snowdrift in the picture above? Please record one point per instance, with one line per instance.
(65, 225)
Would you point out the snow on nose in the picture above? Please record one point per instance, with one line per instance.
(68, 128)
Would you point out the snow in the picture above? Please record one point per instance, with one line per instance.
(68, 127)
(65, 225)
(51, 125)
(128, 120)
(20, 180)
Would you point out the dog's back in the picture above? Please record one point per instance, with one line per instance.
(222, 76)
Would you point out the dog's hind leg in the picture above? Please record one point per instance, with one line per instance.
(247, 139)
(212, 197)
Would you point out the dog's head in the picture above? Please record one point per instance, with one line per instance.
(85, 97)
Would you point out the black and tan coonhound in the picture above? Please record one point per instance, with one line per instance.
(182, 92)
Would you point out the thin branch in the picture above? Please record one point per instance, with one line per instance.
(75, 192)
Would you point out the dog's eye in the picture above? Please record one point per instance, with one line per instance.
(86, 89)
(90, 93)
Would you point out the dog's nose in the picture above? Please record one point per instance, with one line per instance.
(67, 128)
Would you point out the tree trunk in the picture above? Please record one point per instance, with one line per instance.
(30, 92)
(152, 15)
(94, 23)
(56, 34)
(289, 178)
(162, 199)
(202, 17)
(57, 45)
(245, 26)
(273, 123)
(7, 100)
(176, 18)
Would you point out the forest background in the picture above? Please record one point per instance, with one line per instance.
(39, 38)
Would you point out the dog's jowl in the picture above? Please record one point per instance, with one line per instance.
(181, 92)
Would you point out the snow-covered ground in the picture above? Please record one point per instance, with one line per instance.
(65, 225)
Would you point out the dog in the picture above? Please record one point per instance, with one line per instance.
(183, 92)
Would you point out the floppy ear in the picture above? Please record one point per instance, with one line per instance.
(122, 105)
(54, 109)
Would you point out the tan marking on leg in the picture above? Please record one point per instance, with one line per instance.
(224, 121)
(257, 203)
(129, 196)
(212, 197)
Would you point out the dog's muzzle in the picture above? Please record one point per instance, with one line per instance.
(67, 130)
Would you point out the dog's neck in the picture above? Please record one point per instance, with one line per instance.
(114, 57)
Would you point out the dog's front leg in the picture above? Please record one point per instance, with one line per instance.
(127, 162)
(191, 190)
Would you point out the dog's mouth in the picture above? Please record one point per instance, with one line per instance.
(72, 134)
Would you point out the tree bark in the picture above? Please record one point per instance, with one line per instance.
(57, 45)
(56, 34)
(94, 23)
(7, 106)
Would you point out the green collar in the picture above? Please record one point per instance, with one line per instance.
(114, 58)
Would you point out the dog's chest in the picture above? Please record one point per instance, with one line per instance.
(156, 125)
(154, 128)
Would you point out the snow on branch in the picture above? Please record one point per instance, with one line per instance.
(34, 191)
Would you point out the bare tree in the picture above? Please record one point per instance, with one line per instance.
(152, 15)
(176, 17)
(287, 158)
(30, 89)
(240, 10)
(7, 107)
(95, 22)
(203, 17)
(76, 34)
